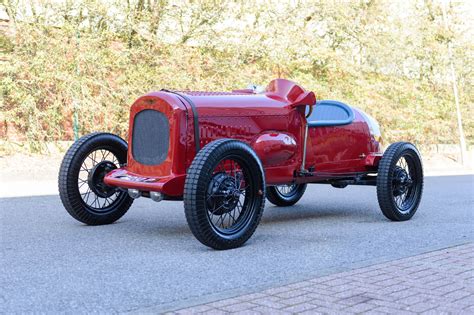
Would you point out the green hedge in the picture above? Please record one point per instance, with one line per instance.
(47, 70)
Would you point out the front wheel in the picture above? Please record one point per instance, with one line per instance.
(81, 179)
(400, 181)
(224, 194)
(285, 195)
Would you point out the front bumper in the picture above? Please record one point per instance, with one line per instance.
(172, 185)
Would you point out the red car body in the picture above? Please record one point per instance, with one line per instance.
(273, 123)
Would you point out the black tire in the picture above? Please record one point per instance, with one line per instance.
(211, 191)
(288, 197)
(400, 181)
(76, 181)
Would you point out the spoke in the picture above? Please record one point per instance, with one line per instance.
(114, 197)
(94, 157)
(228, 219)
(215, 210)
(106, 154)
(231, 216)
(233, 213)
(82, 184)
(236, 213)
(241, 206)
(285, 189)
(92, 204)
(83, 168)
(221, 219)
(103, 154)
(215, 195)
(96, 200)
(243, 189)
(397, 199)
(239, 181)
(235, 173)
(404, 198)
(88, 192)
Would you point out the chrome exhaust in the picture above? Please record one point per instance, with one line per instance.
(156, 196)
(134, 193)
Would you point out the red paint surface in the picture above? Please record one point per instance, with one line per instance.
(275, 148)
(272, 123)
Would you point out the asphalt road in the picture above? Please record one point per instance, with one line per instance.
(149, 261)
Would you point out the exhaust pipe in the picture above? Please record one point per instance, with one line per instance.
(134, 193)
(156, 196)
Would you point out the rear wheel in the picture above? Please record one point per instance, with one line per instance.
(285, 195)
(81, 179)
(400, 181)
(224, 194)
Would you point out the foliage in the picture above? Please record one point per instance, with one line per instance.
(388, 58)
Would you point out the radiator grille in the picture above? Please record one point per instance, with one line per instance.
(150, 139)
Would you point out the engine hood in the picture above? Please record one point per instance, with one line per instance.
(280, 96)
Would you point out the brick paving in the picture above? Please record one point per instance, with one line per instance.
(438, 282)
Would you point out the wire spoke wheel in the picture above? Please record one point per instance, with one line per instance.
(224, 194)
(227, 197)
(405, 183)
(94, 193)
(82, 189)
(285, 195)
(400, 181)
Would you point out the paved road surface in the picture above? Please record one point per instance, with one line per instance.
(149, 260)
(437, 282)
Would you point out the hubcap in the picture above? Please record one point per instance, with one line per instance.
(96, 179)
(230, 200)
(224, 192)
(402, 181)
(405, 183)
(97, 196)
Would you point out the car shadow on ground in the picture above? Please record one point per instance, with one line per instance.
(323, 211)
(145, 218)
(321, 205)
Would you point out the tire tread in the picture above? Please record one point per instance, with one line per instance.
(384, 178)
(71, 201)
(196, 185)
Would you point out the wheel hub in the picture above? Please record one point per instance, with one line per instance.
(96, 179)
(402, 181)
(223, 194)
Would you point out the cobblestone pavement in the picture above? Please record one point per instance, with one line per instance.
(438, 282)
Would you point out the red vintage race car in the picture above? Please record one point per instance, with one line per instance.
(224, 153)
